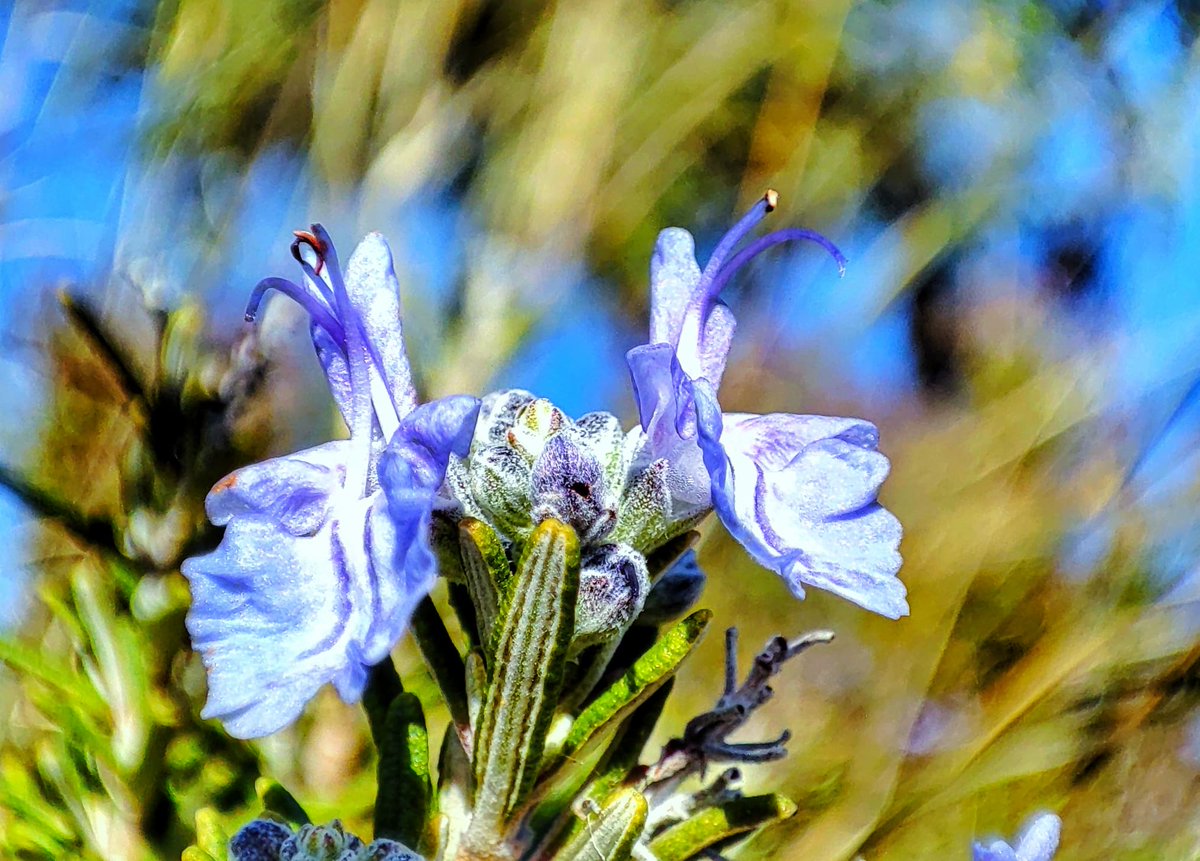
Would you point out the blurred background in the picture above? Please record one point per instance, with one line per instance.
(1016, 184)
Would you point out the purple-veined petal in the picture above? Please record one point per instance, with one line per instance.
(275, 616)
(700, 328)
(704, 341)
(411, 472)
(311, 584)
(294, 491)
(674, 276)
(854, 555)
(663, 394)
(664, 397)
(822, 466)
(375, 294)
(337, 372)
(798, 493)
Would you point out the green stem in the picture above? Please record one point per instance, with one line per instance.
(383, 686)
(444, 661)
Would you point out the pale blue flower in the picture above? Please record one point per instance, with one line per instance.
(1037, 841)
(326, 552)
(799, 492)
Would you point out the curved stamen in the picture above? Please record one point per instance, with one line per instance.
(320, 242)
(316, 309)
(758, 246)
(303, 237)
(735, 235)
(361, 411)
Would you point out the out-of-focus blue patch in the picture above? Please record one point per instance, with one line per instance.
(67, 143)
(575, 357)
(895, 40)
(68, 117)
(1145, 49)
(854, 323)
(1072, 166)
(961, 139)
(880, 364)
(12, 576)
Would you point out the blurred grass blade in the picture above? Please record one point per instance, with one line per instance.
(62, 679)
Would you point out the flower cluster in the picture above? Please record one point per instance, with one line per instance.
(327, 551)
(269, 840)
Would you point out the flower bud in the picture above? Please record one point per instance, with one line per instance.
(500, 485)
(612, 589)
(260, 840)
(536, 422)
(569, 485)
(497, 413)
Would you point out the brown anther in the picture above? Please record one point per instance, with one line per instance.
(772, 199)
(314, 242)
(225, 483)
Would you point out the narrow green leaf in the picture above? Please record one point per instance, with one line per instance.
(22, 799)
(476, 684)
(648, 672)
(487, 572)
(402, 802)
(611, 834)
(613, 769)
(530, 658)
(716, 825)
(444, 660)
(459, 599)
(275, 799)
(193, 853)
(383, 686)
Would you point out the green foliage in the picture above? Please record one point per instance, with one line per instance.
(660, 662)
(531, 655)
(487, 571)
(105, 753)
(611, 834)
(402, 803)
(716, 825)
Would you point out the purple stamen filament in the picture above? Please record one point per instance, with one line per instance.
(322, 246)
(361, 412)
(316, 309)
(755, 248)
(735, 235)
(305, 238)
